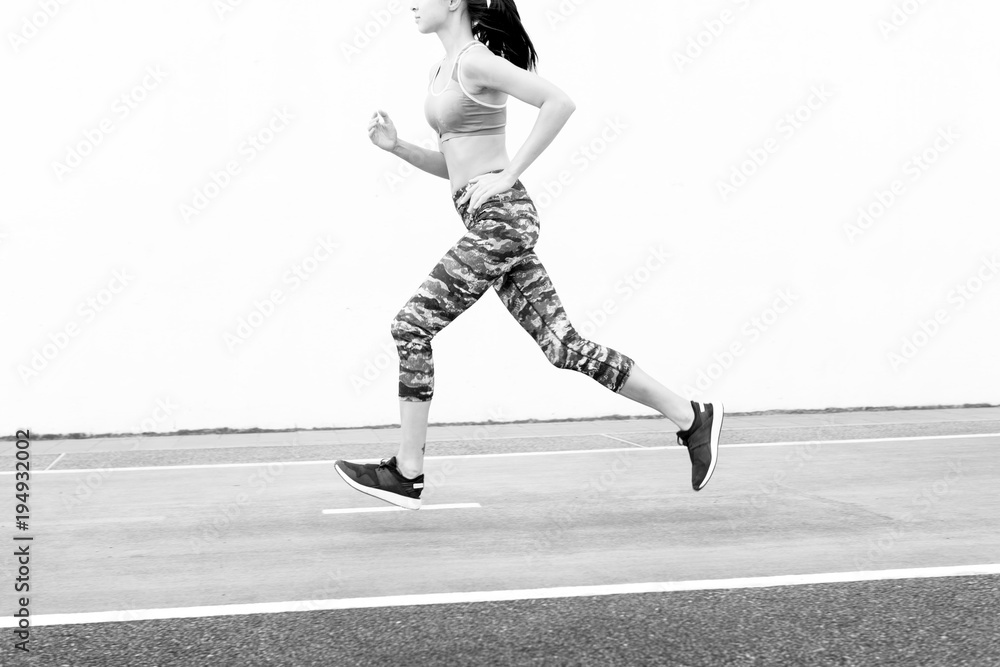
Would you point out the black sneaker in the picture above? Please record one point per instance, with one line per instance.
(702, 441)
(383, 481)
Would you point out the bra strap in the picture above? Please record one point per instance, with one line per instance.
(461, 51)
(458, 74)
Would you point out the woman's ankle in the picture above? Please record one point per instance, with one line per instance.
(687, 421)
(409, 469)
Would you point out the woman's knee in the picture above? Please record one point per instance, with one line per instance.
(407, 329)
(557, 352)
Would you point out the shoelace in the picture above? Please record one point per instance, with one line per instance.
(395, 469)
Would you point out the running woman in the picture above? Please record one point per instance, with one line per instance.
(488, 57)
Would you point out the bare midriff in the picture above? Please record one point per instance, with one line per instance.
(471, 156)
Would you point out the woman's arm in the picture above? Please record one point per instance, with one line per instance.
(485, 70)
(382, 132)
(422, 158)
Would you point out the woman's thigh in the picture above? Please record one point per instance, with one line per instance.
(500, 233)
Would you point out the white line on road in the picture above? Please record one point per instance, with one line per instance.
(445, 506)
(627, 442)
(850, 441)
(502, 596)
(960, 436)
(55, 462)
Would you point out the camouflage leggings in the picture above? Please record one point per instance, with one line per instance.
(497, 250)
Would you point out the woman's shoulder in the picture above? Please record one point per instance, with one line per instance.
(474, 59)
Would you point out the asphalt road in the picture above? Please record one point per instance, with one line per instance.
(227, 531)
(924, 622)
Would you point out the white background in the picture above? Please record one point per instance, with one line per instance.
(663, 132)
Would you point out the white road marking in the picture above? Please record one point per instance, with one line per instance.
(740, 427)
(388, 508)
(960, 436)
(502, 596)
(628, 442)
(848, 441)
(56, 461)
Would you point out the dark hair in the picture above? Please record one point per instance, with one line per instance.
(499, 28)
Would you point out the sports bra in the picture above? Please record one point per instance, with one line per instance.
(453, 112)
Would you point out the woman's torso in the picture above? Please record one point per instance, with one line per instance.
(470, 156)
(466, 155)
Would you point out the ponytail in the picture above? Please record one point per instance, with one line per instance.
(497, 24)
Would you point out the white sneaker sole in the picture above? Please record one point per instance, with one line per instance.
(386, 496)
(718, 414)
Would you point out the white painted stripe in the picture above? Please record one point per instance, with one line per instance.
(56, 461)
(628, 442)
(960, 436)
(504, 596)
(779, 427)
(643, 431)
(444, 506)
(849, 441)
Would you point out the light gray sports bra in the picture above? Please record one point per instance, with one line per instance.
(453, 112)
